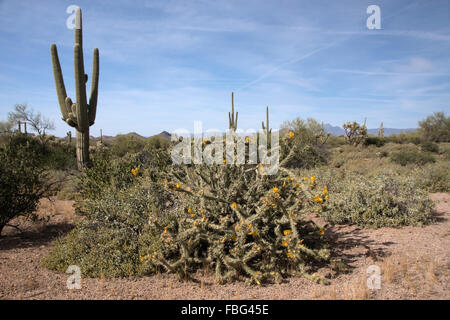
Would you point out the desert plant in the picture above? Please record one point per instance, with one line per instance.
(22, 177)
(429, 146)
(434, 177)
(80, 115)
(412, 157)
(435, 128)
(384, 200)
(232, 120)
(355, 133)
(381, 131)
(241, 221)
(377, 141)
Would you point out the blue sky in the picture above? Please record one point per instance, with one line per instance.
(164, 64)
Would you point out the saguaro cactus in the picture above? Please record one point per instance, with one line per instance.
(266, 127)
(80, 115)
(381, 131)
(232, 120)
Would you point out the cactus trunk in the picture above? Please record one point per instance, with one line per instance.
(82, 148)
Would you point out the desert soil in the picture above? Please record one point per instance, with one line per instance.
(414, 264)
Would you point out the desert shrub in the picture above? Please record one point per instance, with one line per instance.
(127, 144)
(377, 141)
(22, 178)
(385, 200)
(403, 138)
(428, 146)
(309, 139)
(412, 157)
(435, 127)
(114, 232)
(434, 177)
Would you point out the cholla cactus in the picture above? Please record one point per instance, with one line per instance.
(80, 115)
(232, 120)
(355, 133)
(241, 222)
(381, 131)
(69, 137)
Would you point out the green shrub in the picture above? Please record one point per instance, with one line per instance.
(385, 200)
(309, 139)
(403, 138)
(434, 177)
(435, 128)
(114, 232)
(412, 157)
(377, 141)
(429, 146)
(127, 144)
(22, 178)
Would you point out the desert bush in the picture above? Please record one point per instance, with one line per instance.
(22, 177)
(403, 138)
(435, 127)
(428, 146)
(309, 139)
(127, 144)
(384, 200)
(377, 141)
(412, 157)
(434, 177)
(114, 232)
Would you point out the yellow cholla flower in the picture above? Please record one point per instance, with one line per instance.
(321, 231)
(133, 172)
(275, 189)
(313, 178)
(305, 178)
(178, 185)
(193, 215)
(290, 255)
(234, 205)
(290, 135)
(287, 232)
(318, 199)
(224, 161)
(195, 223)
(189, 210)
(326, 197)
(165, 229)
(247, 139)
(325, 190)
(284, 243)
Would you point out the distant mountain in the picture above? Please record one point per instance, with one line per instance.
(164, 135)
(338, 131)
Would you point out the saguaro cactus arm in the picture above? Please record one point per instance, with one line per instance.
(94, 88)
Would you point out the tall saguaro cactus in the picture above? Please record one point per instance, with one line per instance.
(266, 127)
(231, 119)
(80, 115)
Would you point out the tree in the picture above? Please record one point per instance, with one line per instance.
(435, 128)
(22, 176)
(38, 123)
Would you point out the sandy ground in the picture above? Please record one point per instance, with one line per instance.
(413, 261)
